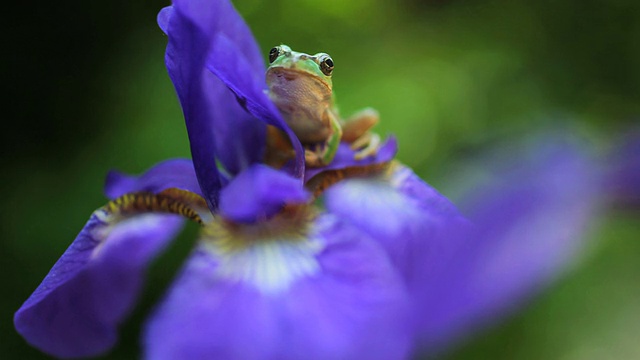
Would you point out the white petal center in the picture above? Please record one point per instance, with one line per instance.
(269, 257)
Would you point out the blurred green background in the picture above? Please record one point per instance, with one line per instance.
(87, 92)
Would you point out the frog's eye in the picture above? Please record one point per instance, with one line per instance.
(274, 53)
(326, 65)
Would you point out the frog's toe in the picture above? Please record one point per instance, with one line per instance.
(362, 141)
(371, 142)
(312, 159)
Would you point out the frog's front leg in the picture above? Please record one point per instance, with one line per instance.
(324, 154)
(356, 132)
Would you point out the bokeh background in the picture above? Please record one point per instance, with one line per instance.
(86, 91)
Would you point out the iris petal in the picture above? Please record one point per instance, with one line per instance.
(527, 225)
(410, 220)
(235, 58)
(185, 58)
(214, 36)
(354, 307)
(176, 173)
(239, 135)
(530, 222)
(77, 308)
(345, 158)
(259, 192)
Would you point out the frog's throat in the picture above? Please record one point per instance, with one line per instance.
(295, 73)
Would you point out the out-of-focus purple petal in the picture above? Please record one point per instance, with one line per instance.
(176, 173)
(529, 223)
(409, 218)
(353, 307)
(423, 195)
(259, 192)
(77, 308)
(623, 175)
(345, 158)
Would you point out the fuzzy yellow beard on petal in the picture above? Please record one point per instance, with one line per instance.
(142, 205)
(269, 255)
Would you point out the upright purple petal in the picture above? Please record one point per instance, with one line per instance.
(77, 308)
(176, 173)
(216, 31)
(259, 192)
(164, 17)
(240, 137)
(235, 58)
(351, 305)
(185, 59)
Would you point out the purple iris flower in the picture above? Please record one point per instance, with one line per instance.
(388, 266)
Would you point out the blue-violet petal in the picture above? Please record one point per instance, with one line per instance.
(233, 56)
(529, 223)
(77, 308)
(175, 173)
(345, 158)
(351, 306)
(259, 192)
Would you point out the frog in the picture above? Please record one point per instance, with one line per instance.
(301, 87)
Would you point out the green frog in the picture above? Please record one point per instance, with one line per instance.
(300, 86)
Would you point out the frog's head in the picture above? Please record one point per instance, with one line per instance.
(287, 65)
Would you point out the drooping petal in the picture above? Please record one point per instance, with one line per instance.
(530, 222)
(176, 173)
(77, 308)
(333, 296)
(345, 158)
(259, 192)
